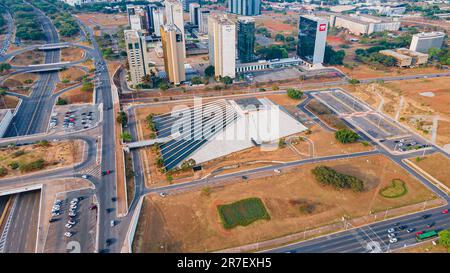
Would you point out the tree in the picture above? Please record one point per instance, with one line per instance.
(163, 86)
(346, 136)
(444, 238)
(210, 71)
(226, 80)
(122, 118)
(272, 52)
(196, 80)
(4, 67)
(333, 57)
(279, 37)
(353, 81)
(294, 93)
(126, 137)
(328, 176)
(61, 101)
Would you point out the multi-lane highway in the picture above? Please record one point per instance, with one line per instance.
(371, 238)
(33, 114)
(22, 230)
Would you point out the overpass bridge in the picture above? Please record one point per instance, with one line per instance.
(53, 46)
(145, 143)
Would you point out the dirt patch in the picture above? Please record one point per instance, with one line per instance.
(443, 133)
(189, 221)
(72, 74)
(72, 54)
(363, 71)
(8, 102)
(21, 83)
(55, 154)
(77, 96)
(103, 20)
(437, 166)
(28, 58)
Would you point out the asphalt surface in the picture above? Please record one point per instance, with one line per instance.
(5, 45)
(34, 112)
(21, 237)
(361, 240)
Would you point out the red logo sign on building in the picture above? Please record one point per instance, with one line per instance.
(322, 27)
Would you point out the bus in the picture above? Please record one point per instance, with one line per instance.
(426, 235)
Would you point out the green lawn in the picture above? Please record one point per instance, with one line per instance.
(396, 189)
(242, 212)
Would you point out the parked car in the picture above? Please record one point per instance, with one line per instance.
(393, 240)
(445, 211)
(68, 234)
(391, 230)
(409, 230)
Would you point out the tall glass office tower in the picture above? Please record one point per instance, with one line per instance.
(312, 37)
(245, 7)
(246, 39)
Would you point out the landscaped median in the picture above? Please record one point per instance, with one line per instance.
(284, 207)
(42, 155)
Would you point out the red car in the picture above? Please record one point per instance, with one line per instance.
(419, 232)
(445, 211)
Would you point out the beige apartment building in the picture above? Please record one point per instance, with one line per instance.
(138, 59)
(172, 41)
(222, 44)
(406, 57)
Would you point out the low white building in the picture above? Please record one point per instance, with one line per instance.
(364, 24)
(223, 127)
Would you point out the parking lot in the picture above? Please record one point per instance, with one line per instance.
(72, 232)
(73, 117)
(375, 125)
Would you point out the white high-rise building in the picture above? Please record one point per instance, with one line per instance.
(158, 20)
(174, 14)
(222, 45)
(137, 17)
(422, 42)
(138, 58)
(193, 13)
(203, 15)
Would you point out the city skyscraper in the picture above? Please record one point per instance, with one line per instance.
(245, 7)
(246, 39)
(193, 13)
(187, 3)
(173, 49)
(312, 38)
(174, 14)
(203, 15)
(137, 17)
(222, 45)
(158, 20)
(137, 55)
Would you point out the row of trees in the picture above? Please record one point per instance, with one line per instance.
(440, 55)
(329, 176)
(372, 56)
(63, 21)
(27, 25)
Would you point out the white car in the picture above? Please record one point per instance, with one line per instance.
(68, 234)
(55, 214)
(393, 240)
(277, 170)
(68, 225)
(84, 176)
(163, 194)
(73, 203)
(71, 222)
(73, 207)
(112, 223)
(391, 230)
(391, 235)
(73, 214)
